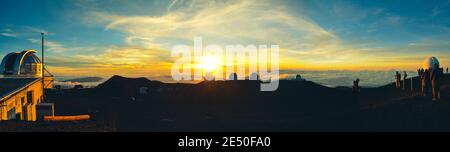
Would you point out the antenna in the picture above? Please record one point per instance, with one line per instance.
(43, 68)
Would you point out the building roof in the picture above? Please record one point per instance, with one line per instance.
(14, 61)
(10, 86)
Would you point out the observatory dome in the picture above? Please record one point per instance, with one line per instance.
(429, 62)
(21, 63)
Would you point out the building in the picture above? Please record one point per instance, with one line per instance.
(430, 62)
(22, 84)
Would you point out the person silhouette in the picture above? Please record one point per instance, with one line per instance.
(397, 79)
(298, 77)
(405, 75)
(435, 77)
(425, 78)
(356, 87)
(447, 70)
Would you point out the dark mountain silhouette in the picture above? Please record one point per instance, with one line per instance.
(211, 105)
(240, 106)
(122, 86)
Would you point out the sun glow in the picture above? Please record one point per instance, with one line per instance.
(209, 63)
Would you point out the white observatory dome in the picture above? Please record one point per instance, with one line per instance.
(21, 63)
(429, 62)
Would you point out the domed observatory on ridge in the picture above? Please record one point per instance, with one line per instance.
(21, 64)
(430, 62)
(23, 80)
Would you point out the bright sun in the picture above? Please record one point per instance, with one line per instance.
(209, 63)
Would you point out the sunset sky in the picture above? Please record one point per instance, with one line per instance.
(134, 37)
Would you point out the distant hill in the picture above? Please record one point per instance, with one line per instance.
(84, 79)
(122, 86)
(240, 106)
(211, 105)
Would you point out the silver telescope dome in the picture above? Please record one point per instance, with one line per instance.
(24, 63)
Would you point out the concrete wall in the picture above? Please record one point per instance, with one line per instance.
(24, 109)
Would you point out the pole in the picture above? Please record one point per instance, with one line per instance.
(404, 81)
(43, 68)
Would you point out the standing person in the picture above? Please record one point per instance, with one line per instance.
(397, 85)
(447, 70)
(404, 79)
(435, 76)
(356, 85)
(425, 82)
(420, 75)
(422, 83)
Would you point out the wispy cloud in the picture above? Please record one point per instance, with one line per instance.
(132, 56)
(8, 33)
(38, 30)
(347, 11)
(242, 22)
(304, 42)
(436, 11)
(23, 32)
(50, 45)
(127, 61)
(60, 48)
(393, 20)
(215, 20)
(172, 4)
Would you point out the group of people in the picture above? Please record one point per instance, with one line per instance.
(431, 81)
(398, 79)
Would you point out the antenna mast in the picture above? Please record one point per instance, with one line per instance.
(43, 68)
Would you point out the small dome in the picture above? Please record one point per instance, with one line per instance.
(430, 62)
(21, 63)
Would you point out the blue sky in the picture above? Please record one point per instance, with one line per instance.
(100, 37)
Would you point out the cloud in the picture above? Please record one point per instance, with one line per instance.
(129, 56)
(75, 62)
(59, 48)
(51, 46)
(350, 12)
(115, 60)
(242, 20)
(38, 30)
(304, 42)
(114, 57)
(23, 32)
(231, 22)
(8, 33)
(172, 4)
(393, 20)
(436, 11)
